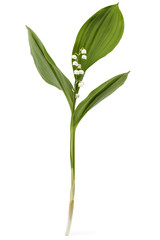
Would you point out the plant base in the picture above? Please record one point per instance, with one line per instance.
(70, 214)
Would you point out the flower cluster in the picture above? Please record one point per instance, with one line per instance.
(77, 62)
(76, 58)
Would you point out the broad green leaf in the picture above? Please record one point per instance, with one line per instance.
(47, 68)
(100, 34)
(97, 95)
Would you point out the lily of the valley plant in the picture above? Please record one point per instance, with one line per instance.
(97, 37)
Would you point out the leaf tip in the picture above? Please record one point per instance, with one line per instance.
(116, 5)
(29, 29)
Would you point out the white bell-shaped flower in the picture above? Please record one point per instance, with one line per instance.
(80, 84)
(77, 95)
(76, 72)
(75, 63)
(81, 72)
(83, 51)
(84, 57)
(74, 57)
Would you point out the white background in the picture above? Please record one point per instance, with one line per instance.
(117, 142)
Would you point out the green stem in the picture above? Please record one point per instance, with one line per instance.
(72, 160)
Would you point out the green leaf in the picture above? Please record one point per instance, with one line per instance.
(97, 95)
(47, 68)
(100, 34)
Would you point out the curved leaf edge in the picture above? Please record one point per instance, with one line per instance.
(54, 68)
(89, 102)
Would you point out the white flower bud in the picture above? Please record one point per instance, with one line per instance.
(76, 72)
(83, 51)
(81, 72)
(80, 84)
(84, 57)
(79, 66)
(77, 95)
(75, 63)
(74, 57)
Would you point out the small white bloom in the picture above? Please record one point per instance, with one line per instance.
(84, 57)
(75, 63)
(83, 51)
(79, 66)
(81, 72)
(77, 95)
(80, 84)
(76, 72)
(74, 57)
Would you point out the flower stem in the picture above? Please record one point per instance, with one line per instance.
(72, 191)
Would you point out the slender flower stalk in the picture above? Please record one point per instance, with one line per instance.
(78, 83)
(72, 161)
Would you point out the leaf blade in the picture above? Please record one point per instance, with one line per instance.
(97, 95)
(47, 67)
(100, 34)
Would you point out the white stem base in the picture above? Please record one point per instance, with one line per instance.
(71, 206)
